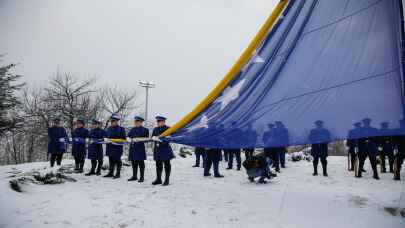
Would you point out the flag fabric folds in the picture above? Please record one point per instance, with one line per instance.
(324, 66)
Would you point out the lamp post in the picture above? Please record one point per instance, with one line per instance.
(147, 86)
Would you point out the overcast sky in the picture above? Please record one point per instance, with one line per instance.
(184, 46)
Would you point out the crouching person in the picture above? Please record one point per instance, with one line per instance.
(259, 166)
(95, 149)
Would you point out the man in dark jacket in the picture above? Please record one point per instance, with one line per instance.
(79, 136)
(399, 140)
(386, 146)
(137, 152)
(251, 137)
(368, 147)
(352, 144)
(283, 140)
(199, 155)
(213, 157)
(114, 149)
(269, 141)
(57, 139)
(319, 137)
(162, 152)
(95, 149)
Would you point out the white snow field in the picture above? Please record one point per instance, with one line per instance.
(295, 199)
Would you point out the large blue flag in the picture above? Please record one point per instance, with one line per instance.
(323, 67)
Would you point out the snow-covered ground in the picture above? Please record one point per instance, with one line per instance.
(294, 199)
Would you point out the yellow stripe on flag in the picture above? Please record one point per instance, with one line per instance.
(261, 34)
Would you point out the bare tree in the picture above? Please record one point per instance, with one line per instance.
(71, 97)
(66, 97)
(117, 101)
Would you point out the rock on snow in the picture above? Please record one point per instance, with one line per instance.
(295, 199)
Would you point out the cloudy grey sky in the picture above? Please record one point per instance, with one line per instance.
(184, 46)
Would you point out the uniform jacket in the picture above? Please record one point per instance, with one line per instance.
(368, 145)
(54, 144)
(399, 141)
(79, 136)
(214, 154)
(95, 150)
(137, 150)
(386, 140)
(199, 150)
(162, 150)
(115, 151)
(320, 138)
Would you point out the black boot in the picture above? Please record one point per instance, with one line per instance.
(141, 172)
(81, 166)
(93, 168)
(315, 170)
(99, 165)
(167, 174)
(118, 174)
(111, 170)
(158, 176)
(324, 168)
(134, 172)
(77, 166)
(375, 175)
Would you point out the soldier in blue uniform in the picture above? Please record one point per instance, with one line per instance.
(368, 147)
(352, 144)
(269, 140)
(114, 151)
(251, 136)
(162, 153)
(234, 153)
(319, 137)
(386, 146)
(213, 157)
(56, 145)
(283, 139)
(199, 155)
(137, 152)
(79, 136)
(399, 140)
(95, 149)
(235, 133)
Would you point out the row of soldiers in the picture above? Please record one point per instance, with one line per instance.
(390, 144)
(362, 143)
(212, 157)
(91, 142)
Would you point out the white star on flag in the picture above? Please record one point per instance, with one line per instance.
(229, 94)
(202, 124)
(256, 58)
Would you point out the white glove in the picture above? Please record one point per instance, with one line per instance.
(155, 138)
(62, 140)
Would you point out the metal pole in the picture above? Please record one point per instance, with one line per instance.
(146, 103)
(147, 86)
